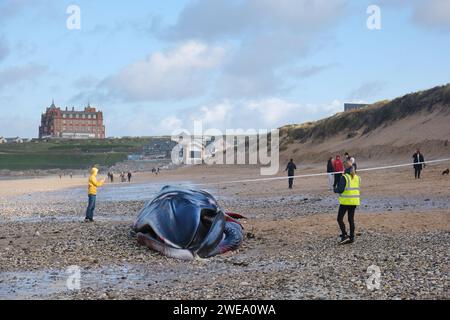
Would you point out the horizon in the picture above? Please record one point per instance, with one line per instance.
(153, 68)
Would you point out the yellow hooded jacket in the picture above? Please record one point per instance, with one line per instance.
(93, 183)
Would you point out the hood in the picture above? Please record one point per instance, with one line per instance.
(94, 171)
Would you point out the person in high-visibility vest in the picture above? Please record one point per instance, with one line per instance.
(349, 199)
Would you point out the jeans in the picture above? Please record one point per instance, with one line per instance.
(91, 207)
(351, 219)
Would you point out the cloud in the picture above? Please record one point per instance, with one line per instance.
(266, 35)
(225, 49)
(430, 14)
(182, 72)
(264, 114)
(433, 13)
(19, 74)
(251, 70)
(214, 19)
(367, 90)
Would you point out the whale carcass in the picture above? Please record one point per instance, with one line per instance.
(186, 223)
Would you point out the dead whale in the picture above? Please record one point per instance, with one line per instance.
(186, 223)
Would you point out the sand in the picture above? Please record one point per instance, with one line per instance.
(290, 250)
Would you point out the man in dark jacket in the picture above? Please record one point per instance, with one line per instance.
(291, 167)
(419, 163)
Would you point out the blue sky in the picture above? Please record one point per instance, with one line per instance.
(155, 66)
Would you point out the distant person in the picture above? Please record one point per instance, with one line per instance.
(158, 170)
(129, 176)
(352, 159)
(92, 194)
(330, 171)
(290, 168)
(419, 163)
(112, 177)
(349, 199)
(338, 169)
(153, 170)
(71, 175)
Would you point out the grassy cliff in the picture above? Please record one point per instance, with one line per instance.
(361, 122)
(68, 154)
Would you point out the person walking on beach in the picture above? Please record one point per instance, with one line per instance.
(338, 169)
(129, 176)
(419, 163)
(290, 168)
(92, 194)
(330, 171)
(349, 199)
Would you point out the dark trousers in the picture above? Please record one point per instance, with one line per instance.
(351, 219)
(417, 172)
(291, 183)
(91, 207)
(337, 178)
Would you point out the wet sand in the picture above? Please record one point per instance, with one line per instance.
(290, 250)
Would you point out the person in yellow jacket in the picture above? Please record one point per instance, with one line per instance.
(349, 199)
(92, 194)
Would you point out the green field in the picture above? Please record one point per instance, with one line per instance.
(69, 154)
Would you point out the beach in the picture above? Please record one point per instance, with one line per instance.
(290, 249)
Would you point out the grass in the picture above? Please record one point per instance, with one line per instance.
(68, 154)
(60, 161)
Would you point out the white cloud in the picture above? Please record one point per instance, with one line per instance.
(267, 35)
(264, 114)
(169, 124)
(182, 72)
(273, 111)
(213, 115)
(214, 19)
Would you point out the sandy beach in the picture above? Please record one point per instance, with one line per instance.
(290, 250)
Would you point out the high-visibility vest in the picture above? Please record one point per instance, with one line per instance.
(351, 194)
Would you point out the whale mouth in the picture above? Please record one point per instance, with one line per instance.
(182, 223)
